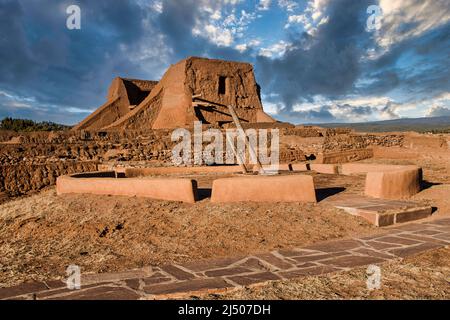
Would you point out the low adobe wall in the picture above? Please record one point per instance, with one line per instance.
(387, 181)
(173, 189)
(298, 188)
(393, 184)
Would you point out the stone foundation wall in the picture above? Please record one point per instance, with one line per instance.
(296, 144)
(133, 145)
(342, 142)
(345, 156)
(20, 179)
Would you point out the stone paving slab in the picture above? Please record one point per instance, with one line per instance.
(381, 212)
(226, 273)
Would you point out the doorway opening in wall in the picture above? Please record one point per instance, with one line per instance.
(222, 85)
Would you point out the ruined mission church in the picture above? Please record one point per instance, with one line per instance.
(194, 89)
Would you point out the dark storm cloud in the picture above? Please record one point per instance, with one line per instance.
(326, 113)
(321, 114)
(16, 57)
(439, 112)
(332, 63)
(20, 107)
(41, 58)
(176, 22)
(427, 66)
(58, 70)
(326, 64)
(44, 60)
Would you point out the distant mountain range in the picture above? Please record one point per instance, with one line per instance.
(433, 124)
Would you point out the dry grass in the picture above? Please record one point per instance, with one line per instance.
(425, 276)
(42, 234)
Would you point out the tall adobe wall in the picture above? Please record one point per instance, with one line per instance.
(164, 107)
(224, 83)
(176, 101)
(115, 107)
(123, 95)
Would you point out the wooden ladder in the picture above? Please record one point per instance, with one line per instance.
(239, 156)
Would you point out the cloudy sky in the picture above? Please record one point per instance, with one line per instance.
(316, 61)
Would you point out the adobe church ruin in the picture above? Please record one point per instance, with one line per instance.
(194, 89)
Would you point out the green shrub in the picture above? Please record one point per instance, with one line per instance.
(26, 125)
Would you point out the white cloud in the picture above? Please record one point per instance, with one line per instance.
(264, 5)
(271, 108)
(356, 109)
(221, 37)
(232, 2)
(403, 19)
(424, 107)
(438, 111)
(245, 46)
(15, 101)
(11, 101)
(288, 5)
(312, 17)
(7, 95)
(276, 50)
(316, 8)
(364, 101)
(440, 106)
(238, 25)
(301, 18)
(153, 5)
(157, 6)
(389, 111)
(19, 105)
(79, 110)
(241, 47)
(221, 23)
(216, 15)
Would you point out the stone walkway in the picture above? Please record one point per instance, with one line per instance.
(222, 274)
(381, 212)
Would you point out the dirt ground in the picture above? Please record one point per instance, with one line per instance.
(44, 233)
(424, 276)
(41, 234)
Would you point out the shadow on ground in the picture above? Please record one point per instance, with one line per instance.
(427, 184)
(323, 193)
